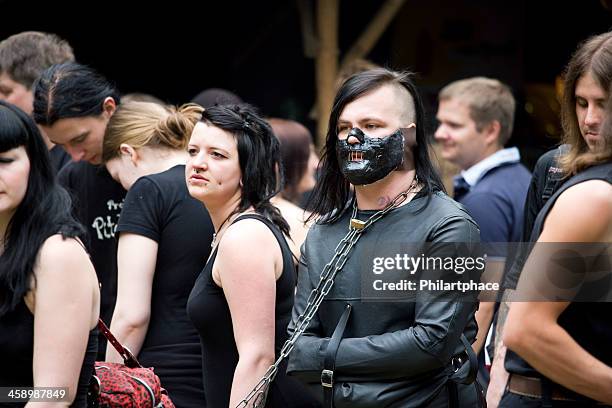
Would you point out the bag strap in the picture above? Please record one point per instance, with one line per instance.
(472, 361)
(553, 177)
(457, 362)
(128, 358)
(329, 363)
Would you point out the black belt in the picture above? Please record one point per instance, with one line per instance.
(329, 363)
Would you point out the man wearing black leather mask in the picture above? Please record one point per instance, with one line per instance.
(368, 159)
(365, 347)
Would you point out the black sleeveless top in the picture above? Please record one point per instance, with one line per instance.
(588, 323)
(17, 353)
(209, 311)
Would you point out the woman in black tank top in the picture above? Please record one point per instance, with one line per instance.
(49, 297)
(241, 303)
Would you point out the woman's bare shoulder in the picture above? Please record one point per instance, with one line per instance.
(58, 253)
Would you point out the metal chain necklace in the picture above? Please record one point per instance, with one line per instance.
(356, 228)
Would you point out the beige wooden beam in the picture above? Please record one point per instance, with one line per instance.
(307, 25)
(364, 44)
(326, 63)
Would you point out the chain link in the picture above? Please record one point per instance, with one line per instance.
(259, 393)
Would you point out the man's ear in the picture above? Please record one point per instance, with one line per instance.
(108, 106)
(409, 133)
(492, 133)
(127, 150)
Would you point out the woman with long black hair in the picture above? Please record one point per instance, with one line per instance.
(241, 302)
(49, 296)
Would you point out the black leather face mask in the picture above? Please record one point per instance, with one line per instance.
(372, 158)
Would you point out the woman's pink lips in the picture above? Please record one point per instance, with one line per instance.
(198, 177)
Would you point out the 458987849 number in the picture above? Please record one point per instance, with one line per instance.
(33, 394)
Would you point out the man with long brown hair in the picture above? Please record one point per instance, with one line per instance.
(560, 350)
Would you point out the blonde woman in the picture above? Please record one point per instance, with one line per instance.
(158, 255)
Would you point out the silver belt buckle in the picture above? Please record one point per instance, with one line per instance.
(327, 378)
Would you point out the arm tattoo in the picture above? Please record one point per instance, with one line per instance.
(502, 314)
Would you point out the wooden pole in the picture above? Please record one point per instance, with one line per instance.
(326, 63)
(373, 31)
(307, 24)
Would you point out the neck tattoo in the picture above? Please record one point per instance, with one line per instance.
(383, 201)
(357, 224)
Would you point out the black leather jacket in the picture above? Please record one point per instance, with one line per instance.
(393, 353)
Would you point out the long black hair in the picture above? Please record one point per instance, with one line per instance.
(43, 212)
(332, 192)
(70, 90)
(258, 155)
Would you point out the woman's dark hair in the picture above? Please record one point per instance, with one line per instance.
(332, 193)
(295, 141)
(70, 90)
(258, 155)
(43, 212)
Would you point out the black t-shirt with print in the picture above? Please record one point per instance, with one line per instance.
(97, 201)
(159, 207)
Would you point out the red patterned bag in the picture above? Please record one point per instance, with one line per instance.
(127, 385)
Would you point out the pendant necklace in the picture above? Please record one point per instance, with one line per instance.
(214, 235)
